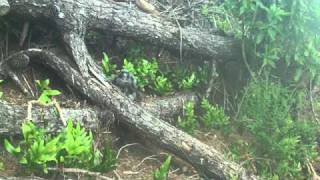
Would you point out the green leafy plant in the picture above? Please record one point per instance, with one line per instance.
(278, 35)
(188, 82)
(280, 145)
(187, 77)
(107, 67)
(72, 147)
(36, 151)
(76, 146)
(213, 116)
(162, 172)
(162, 85)
(129, 66)
(148, 75)
(143, 70)
(188, 122)
(46, 93)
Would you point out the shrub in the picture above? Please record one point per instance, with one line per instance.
(188, 122)
(73, 147)
(213, 116)
(162, 85)
(281, 145)
(277, 33)
(144, 71)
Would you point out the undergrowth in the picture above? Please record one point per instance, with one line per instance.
(72, 147)
(279, 39)
(280, 145)
(211, 117)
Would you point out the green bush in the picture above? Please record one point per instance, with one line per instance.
(188, 82)
(281, 35)
(283, 31)
(184, 77)
(162, 85)
(188, 122)
(73, 147)
(150, 77)
(213, 116)
(143, 70)
(281, 145)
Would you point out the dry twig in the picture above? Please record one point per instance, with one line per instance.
(80, 171)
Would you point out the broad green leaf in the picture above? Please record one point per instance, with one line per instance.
(10, 148)
(52, 92)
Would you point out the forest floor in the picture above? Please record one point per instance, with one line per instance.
(138, 159)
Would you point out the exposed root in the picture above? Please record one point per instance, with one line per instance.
(125, 146)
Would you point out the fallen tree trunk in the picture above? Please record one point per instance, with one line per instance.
(127, 20)
(168, 107)
(12, 115)
(205, 159)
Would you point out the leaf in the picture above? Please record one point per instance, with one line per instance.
(43, 84)
(10, 148)
(52, 92)
(106, 66)
(44, 99)
(45, 96)
(162, 173)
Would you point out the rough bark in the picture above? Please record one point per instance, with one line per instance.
(205, 159)
(4, 7)
(126, 20)
(21, 178)
(168, 107)
(12, 115)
